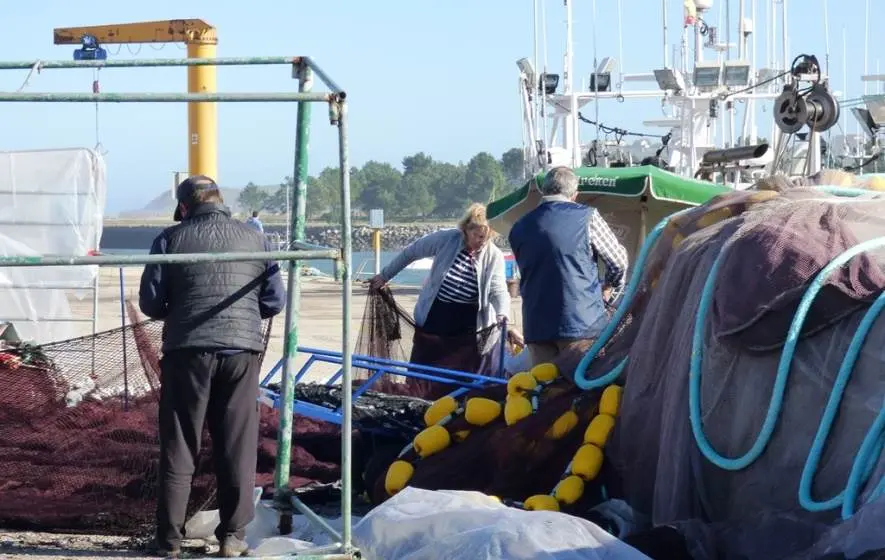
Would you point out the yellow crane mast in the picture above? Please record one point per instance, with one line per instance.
(201, 40)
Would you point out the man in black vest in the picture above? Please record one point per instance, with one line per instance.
(212, 342)
(557, 246)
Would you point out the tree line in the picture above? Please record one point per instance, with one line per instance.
(424, 189)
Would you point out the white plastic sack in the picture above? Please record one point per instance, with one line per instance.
(262, 534)
(514, 364)
(452, 525)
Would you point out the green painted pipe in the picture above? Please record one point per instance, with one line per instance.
(136, 260)
(47, 97)
(297, 211)
(150, 62)
(347, 349)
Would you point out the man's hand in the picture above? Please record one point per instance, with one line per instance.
(515, 337)
(377, 282)
(607, 294)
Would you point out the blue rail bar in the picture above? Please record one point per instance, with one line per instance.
(402, 368)
(379, 368)
(404, 365)
(414, 371)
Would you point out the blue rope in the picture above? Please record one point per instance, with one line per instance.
(842, 191)
(871, 447)
(830, 412)
(581, 379)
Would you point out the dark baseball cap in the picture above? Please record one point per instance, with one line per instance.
(188, 189)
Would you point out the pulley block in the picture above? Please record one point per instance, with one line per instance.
(818, 109)
(824, 109)
(790, 111)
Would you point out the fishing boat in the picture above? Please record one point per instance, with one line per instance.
(711, 103)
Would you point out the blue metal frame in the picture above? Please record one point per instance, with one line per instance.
(379, 367)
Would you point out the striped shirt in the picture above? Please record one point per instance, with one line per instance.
(459, 284)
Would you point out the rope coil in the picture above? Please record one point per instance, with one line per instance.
(871, 448)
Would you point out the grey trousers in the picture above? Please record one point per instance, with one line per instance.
(222, 391)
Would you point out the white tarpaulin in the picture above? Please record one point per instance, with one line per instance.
(435, 525)
(452, 525)
(51, 203)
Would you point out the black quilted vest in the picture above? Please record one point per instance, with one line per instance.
(213, 306)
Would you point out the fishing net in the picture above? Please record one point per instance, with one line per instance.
(78, 436)
(773, 244)
(389, 332)
(771, 247)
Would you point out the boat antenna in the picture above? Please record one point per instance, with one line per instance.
(866, 47)
(534, 86)
(827, 36)
(620, 47)
(727, 30)
(785, 39)
(543, 93)
(845, 74)
(664, 16)
(596, 81)
(571, 124)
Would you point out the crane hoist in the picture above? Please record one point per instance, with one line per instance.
(201, 40)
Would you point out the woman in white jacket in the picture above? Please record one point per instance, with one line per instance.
(466, 290)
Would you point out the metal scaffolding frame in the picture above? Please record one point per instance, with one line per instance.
(303, 68)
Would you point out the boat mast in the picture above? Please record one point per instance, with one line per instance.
(827, 37)
(754, 132)
(785, 37)
(533, 91)
(620, 45)
(545, 146)
(570, 140)
(742, 42)
(866, 47)
(596, 95)
(772, 32)
(666, 45)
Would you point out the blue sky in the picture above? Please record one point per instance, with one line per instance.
(438, 77)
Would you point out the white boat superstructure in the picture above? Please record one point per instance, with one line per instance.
(710, 95)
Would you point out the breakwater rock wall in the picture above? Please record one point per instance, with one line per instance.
(393, 238)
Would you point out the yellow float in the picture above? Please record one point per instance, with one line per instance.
(521, 383)
(517, 408)
(587, 462)
(440, 410)
(432, 440)
(563, 425)
(398, 476)
(481, 411)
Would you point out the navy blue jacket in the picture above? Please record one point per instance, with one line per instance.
(559, 277)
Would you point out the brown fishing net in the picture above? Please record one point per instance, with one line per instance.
(78, 436)
(389, 332)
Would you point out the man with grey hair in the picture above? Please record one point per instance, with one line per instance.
(557, 247)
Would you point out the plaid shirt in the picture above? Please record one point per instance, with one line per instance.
(604, 244)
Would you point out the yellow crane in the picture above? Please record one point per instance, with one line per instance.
(201, 40)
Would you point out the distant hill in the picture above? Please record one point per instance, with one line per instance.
(163, 205)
